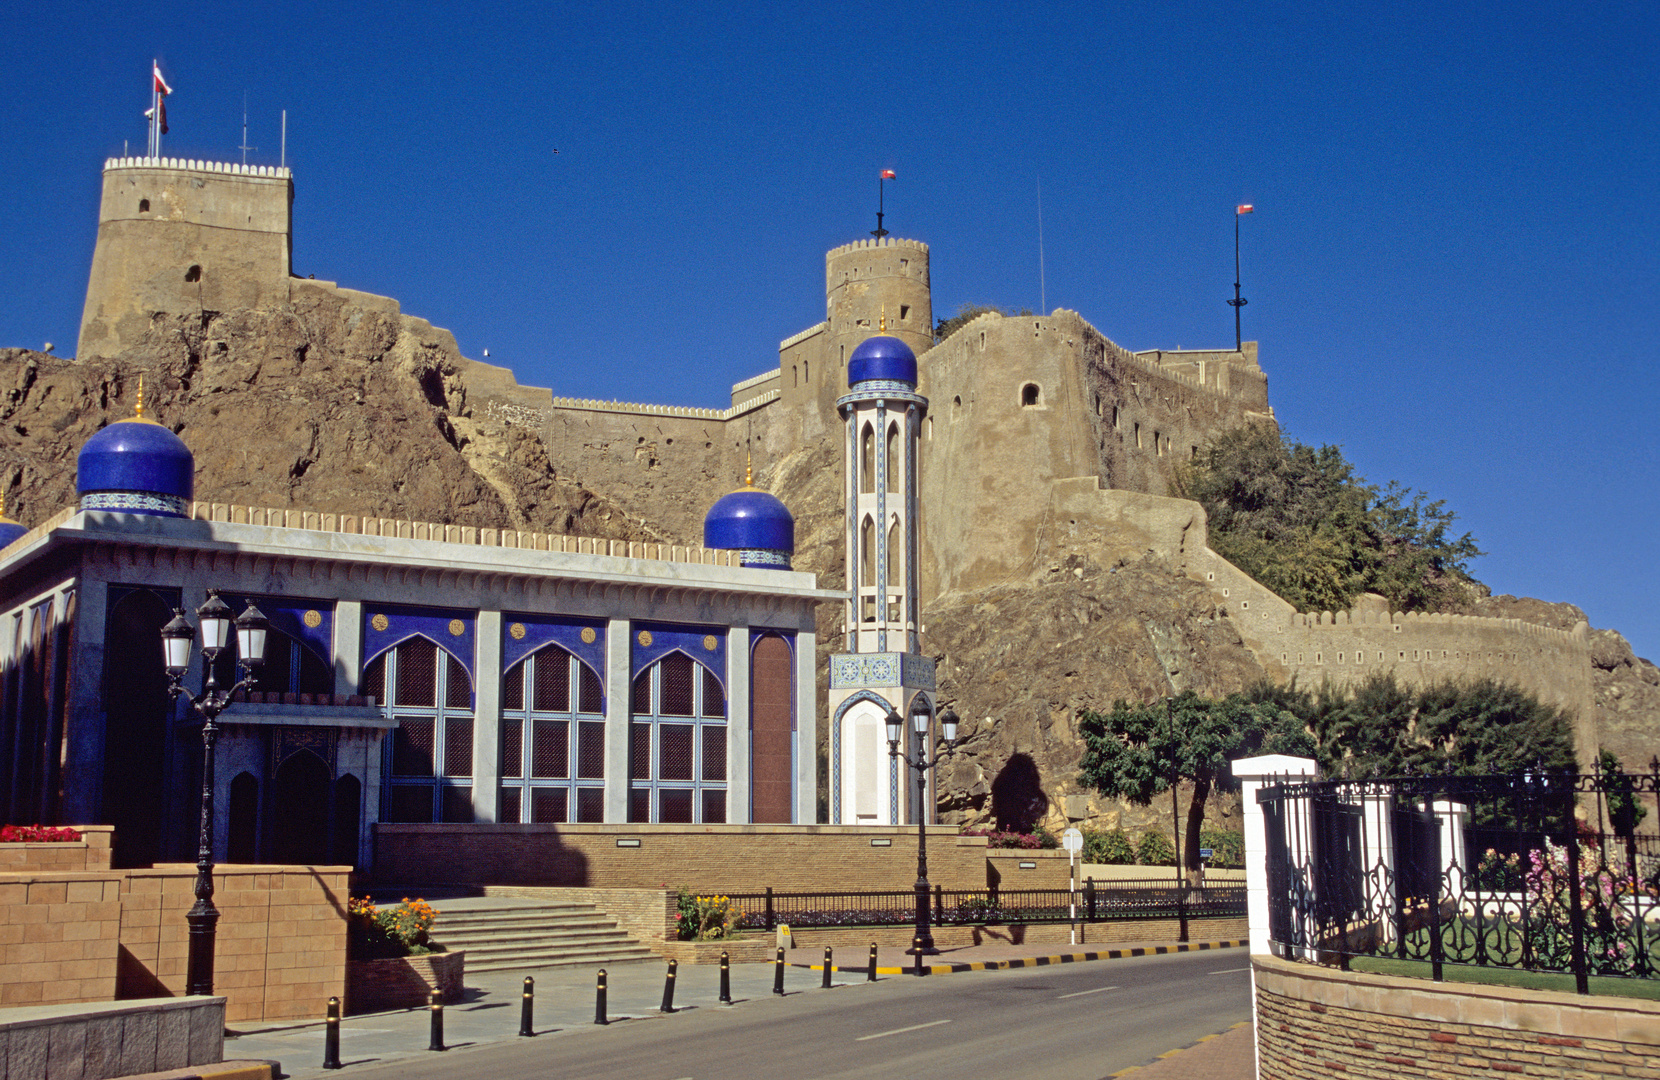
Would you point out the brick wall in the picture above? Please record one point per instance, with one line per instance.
(281, 938)
(58, 936)
(726, 858)
(1315, 1022)
(91, 852)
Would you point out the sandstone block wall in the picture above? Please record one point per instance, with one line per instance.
(1314, 1023)
(97, 1041)
(59, 937)
(733, 859)
(281, 937)
(91, 852)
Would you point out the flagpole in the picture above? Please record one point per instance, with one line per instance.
(879, 232)
(1238, 301)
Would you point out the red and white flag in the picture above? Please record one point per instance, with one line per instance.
(161, 84)
(1244, 208)
(889, 174)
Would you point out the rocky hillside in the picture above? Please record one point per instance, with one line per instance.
(340, 406)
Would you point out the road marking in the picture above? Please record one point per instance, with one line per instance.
(1081, 993)
(1227, 971)
(901, 1031)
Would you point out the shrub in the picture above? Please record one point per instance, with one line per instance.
(1032, 841)
(1112, 846)
(36, 834)
(380, 933)
(1154, 849)
(706, 918)
(1228, 847)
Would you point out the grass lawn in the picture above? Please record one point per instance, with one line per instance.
(1501, 976)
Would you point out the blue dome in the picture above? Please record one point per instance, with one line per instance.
(10, 530)
(136, 466)
(750, 520)
(884, 358)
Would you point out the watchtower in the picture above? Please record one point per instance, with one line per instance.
(184, 236)
(863, 279)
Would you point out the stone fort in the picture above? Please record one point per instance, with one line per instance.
(1043, 436)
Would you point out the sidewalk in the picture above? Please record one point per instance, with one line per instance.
(565, 1002)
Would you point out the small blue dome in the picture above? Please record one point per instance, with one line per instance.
(752, 521)
(136, 466)
(884, 358)
(10, 530)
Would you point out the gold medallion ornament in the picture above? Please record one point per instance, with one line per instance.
(517, 630)
(457, 628)
(588, 635)
(644, 639)
(709, 642)
(313, 619)
(380, 623)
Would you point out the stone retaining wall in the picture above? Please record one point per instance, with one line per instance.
(1314, 1023)
(725, 858)
(107, 1039)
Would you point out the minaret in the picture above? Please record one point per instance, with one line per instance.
(882, 668)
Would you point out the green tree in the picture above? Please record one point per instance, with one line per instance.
(1300, 521)
(1382, 727)
(1137, 752)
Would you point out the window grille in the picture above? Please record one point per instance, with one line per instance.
(678, 759)
(540, 722)
(430, 754)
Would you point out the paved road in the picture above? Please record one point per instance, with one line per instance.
(1074, 1021)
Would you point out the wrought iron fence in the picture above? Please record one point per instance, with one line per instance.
(1545, 872)
(1095, 902)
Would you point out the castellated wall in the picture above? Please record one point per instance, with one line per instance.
(1341, 648)
(1018, 402)
(176, 236)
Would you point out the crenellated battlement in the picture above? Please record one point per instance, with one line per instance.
(680, 412)
(1406, 621)
(872, 245)
(228, 168)
(796, 339)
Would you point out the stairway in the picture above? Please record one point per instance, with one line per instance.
(504, 933)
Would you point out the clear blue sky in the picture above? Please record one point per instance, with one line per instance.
(1453, 268)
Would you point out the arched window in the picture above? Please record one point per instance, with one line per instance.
(1030, 395)
(893, 457)
(895, 547)
(807, 372)
(867, 461)
(677, 744)
(429, 693)
(552, 740)
(867, 553)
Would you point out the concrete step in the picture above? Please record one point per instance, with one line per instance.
(509, 933)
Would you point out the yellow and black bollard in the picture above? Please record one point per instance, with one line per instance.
(599, 1000)
(526, 1007)
(725, 978)
(436, 1003)
(668, 987)
(870, 972)
(827, 967)
(331, 1036)
(916, 948)
(778, 973)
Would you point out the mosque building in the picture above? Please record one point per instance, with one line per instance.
(414, 672)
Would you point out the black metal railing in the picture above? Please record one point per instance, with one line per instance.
(1545, 872)
(1095, 902)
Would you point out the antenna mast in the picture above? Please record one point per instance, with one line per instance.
(245, 147)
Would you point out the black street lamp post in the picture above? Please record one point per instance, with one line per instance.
(948, 726)
(176, 639)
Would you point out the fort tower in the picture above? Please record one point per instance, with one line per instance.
(181, 236)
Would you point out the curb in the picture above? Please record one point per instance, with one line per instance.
(223, 1070)
(1041, 961)
(1168, 1054)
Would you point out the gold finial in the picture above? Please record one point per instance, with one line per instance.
(882, 327)
(749, 468)
(138, 410)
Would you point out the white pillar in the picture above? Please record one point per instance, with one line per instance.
(806, 728)
(1254, 774)
(1452, 817)
(487, 718)
(1377, 853)
(738, 760)
(618, 702)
